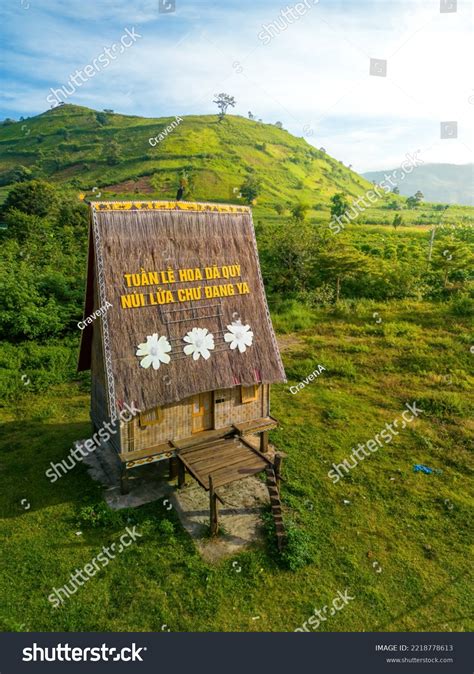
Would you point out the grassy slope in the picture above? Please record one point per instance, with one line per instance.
(219, 153)
(415, 526)
(74, 147)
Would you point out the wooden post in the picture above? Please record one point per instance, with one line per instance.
(124, 487)
(181, 474)
(214, 521)
(173, 467)
(278, 460)
(264, 442)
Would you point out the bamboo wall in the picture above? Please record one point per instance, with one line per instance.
(176, 422)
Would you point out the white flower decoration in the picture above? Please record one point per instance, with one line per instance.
(240, 336)
(155, 350)
(199, 343)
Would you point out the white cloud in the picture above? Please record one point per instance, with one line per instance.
(314, 74)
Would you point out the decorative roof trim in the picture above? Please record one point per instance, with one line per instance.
(193, 206)
(105, 324)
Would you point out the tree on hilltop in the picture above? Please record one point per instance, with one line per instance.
(223, 101)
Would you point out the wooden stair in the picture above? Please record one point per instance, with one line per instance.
(275, 504)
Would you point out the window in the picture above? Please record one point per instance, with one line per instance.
(151, 417)
(249, 393)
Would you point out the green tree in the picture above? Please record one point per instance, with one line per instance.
(412, 202)
(223, 101)
(23, 226)
(453, 258)
(35, 197)
(339, 205)
(419, 196)
(114, 153)
(287, 255)
(250, 188)
(396, 190)
(397, 221)
(340, 262)
(299, 211)
(18, 174)
(185, 181)
(102, 118)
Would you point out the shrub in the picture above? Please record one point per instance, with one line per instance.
(291, 317)
(98, 516)
(445, 405)
(462, 305)
(324, 295)
(28, 367)
(166, 528)
(34, 197)
(297, 551)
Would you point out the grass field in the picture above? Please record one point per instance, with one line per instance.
(415, 527)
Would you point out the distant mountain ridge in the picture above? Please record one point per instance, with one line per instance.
(445, 183)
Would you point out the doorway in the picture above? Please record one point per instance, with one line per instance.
(202, 412)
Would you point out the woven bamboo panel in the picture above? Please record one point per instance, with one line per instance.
(176, 420)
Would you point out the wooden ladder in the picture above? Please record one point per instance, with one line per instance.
(275, 504)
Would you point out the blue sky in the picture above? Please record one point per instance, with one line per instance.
(313, 75)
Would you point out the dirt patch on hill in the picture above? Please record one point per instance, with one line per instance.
(140, 185)
(73, 170)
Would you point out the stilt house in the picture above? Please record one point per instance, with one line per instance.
(183, 339)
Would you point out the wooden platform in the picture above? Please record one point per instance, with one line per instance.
(224, 461)
(256, 426)
(148, 455)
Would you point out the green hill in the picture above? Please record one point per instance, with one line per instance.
(86, 149)
(108, 154)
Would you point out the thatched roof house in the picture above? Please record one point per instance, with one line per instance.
(180, 329)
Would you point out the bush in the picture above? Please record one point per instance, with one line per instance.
(324, 295)
(28, 367)
(34, 197)
(462, 305)
(291, 317)
(166, 528)
(444, 405)
(98, 516)
(297, 552)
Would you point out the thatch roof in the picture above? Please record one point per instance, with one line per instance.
(138, 254)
